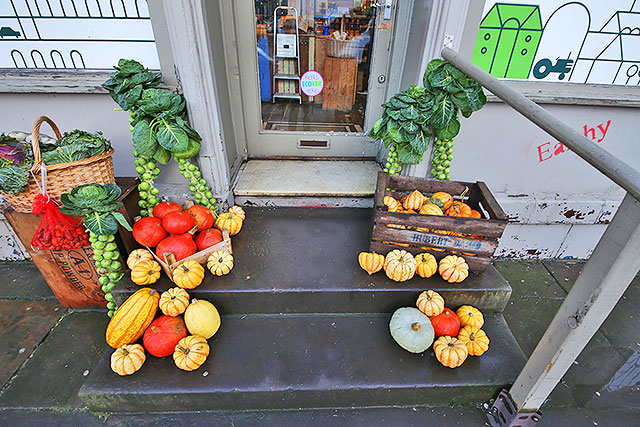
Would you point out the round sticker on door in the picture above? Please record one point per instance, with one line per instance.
(311, 83)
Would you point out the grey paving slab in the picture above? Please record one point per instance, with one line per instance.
(267, 362)
(23, 325)
(60, 365)
(565, 272)
(23, 280)
(529, 279)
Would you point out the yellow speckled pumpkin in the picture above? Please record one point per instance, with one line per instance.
(230, 221)
(413, 201)
(476, 340)
(453, 268)
(127, 359)
(132, 318)
(399, 265)
(191, 352)
(430, 303)
(470, 316)
(450, 351)
(371, 262)
(392, 204)
(146, 272)
(430, 209)
(138, 255)
(174, 302)
(237, 210)
(220, 263)
(189, 274)
(426, 265)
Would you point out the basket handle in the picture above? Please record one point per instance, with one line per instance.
(35, 140)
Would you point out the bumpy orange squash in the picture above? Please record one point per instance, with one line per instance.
(450, 351)
(238, 211)
(459, 209)
(445, 198)
(476, 340)
(138, 255)
(430, 303)
(392, 204)
(399, 265)
(146, 272)
(230, 221)
(191, 352)
(430, 209)
(174, 301)
(413, 201)
(132, 318)
(426, 265)
(189, 274)
(453, 268)
(470, 316)
(371, 262)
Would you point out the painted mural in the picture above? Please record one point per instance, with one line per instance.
(594, 41)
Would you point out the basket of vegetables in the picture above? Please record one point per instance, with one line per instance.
(76, 158)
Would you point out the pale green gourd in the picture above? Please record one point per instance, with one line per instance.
(411, 329)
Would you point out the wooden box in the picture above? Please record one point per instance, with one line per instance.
(475, 239)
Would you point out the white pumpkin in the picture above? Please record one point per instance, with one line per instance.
(411, 329)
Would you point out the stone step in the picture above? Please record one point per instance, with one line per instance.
(302, 260)
(307, 361)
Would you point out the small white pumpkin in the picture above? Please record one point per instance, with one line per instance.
(411, 329)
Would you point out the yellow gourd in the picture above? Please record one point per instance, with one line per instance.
(220, 263)
(146, 272)
(189, 274)
(202, 318)
(426, 265)
(371, 262)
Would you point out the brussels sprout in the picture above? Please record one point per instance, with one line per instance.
(103, 280)
(108, 297)
(154, 191)
(110, 313)
(105, 263)
(98, 246)
(146, 176)
(144, 212)
(111, 305)
(143, 194)
(115, 265)
(140, 170)
(144, 186)
(142, 203)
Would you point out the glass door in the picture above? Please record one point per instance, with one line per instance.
(313, 75)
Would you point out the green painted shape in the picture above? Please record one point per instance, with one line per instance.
(508, 39)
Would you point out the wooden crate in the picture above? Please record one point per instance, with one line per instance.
(476, 251)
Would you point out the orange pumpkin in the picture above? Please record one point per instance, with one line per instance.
(138, 255)
(445, 198)
(174, 301)
(145, 272)
(238, 211)
(453, 269)
(430, 209)
(475, 214)
(191, 352)
(450, 351)
(459, 209)
(426, 265)
(470, 316)
(399, 265)
(476, 340)
(230, 221)
(189, 274)
(371, 262)
(127, 359)
(413, 201)
(430, 303)
(392, 204)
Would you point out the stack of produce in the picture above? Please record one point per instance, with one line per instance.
(439, 203)
(182, 330)
(457, 334)
(400, 265)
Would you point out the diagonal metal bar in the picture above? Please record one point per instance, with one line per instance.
(617, 170)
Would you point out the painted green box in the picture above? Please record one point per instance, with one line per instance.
(508, 39)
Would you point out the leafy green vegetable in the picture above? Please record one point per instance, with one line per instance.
(14, 178)
(16, 159)
(97, 203)
(76, 145)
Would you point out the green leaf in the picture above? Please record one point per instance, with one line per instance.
(405, 136)
(450, 131)
(14, 178)
(128, 99)
(144, 139)
(396, 103)
(101, 223)
(122, 220)
(441, 78)
(158, 101)
(161, 155)
(415, 92)
(395, 114)
(420, 142)
(404, 98)
(406, 154)
(443, 111)
(127, 67)
(190, 131)
(111, 192)
(434, 65)
(172, 137)
(376, 131)
(410, 127)
(410, 113)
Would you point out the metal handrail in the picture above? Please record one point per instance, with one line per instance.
(618, 171)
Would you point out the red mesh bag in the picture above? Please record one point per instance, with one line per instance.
(57, 231)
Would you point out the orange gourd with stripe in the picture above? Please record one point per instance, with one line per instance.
(230, 221)
(430, 303)
(476, 340)
(132, 318)
(371, 262)
(470, 316)
(453, 268)
(445, 198)
(127, 359)
(399, 265)
(392, 204)
(426, 265)
(174, 301)
(145, 272)
(450, 351)
(138, 255)
(191, 352)
(430, 209)
(413, 201)
(238, 211)
(459, 209)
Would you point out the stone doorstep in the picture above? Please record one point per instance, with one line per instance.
(307, 361)
(267, 292)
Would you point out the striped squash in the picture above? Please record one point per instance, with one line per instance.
(132, 318)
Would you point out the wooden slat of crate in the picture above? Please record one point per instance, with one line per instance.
(482, 227)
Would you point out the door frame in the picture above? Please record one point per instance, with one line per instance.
(269, 143)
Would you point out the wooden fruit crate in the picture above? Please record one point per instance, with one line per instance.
(481, 235)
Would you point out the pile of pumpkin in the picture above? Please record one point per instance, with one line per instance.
(458, 333)
(439, 203)
(171, 230)
(400, 265)
(169, 334)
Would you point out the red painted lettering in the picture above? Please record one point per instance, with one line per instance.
(540, 152)
(592, 130)
(559, 149)
(604, 131)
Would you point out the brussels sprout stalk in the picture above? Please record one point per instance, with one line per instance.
(105, 257)
(198, 185)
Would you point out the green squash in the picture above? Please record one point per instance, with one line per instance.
(411, 329)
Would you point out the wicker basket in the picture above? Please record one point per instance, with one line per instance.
(342, 48)
(62, 177)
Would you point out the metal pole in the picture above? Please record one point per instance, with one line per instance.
(617, 170)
